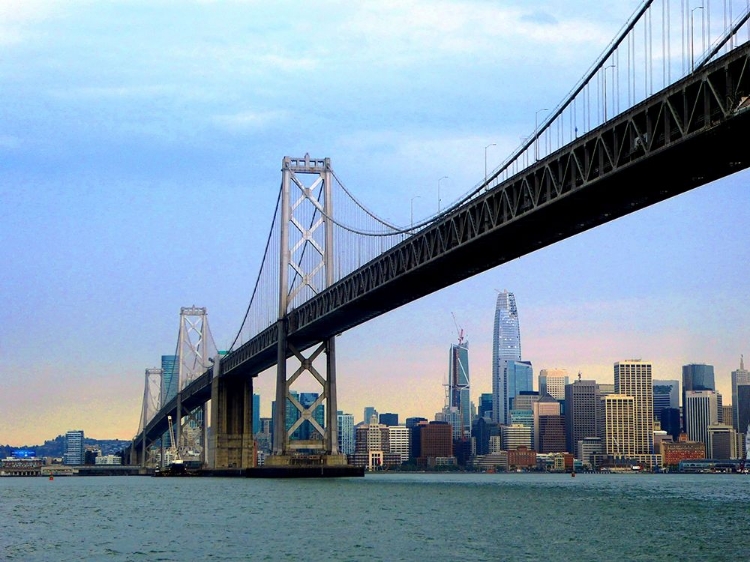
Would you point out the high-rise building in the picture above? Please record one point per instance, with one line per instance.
(633, 378)
(436, 443)
(743, 408)
(506, 346)
(413, 425)
(481, 431)
(345, 433)
(696, 377)
(520, 377)
(670, 422)
(666, 395)
(485, 405)
(74, 450)
(618, 414)
(256, 413)
(581, 413)
(551, 431)
(514, 436)
(701, 410)
(399, 441)
(458, 384)
(389, 419)
(552, 382)
(722, 442)
(740, 376)
(168, 377)
(306, 430)
(545, 406)
(370, 411)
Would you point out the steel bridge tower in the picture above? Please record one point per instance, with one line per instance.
(306, 269)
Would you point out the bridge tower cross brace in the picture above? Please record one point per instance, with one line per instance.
(148, 400)
(193, 356)
(299, 236)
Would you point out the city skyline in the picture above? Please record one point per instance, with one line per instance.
(142, 155)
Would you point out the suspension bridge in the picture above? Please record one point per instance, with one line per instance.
(663, 110)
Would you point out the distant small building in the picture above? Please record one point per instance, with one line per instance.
(522, 458)
(108, 460)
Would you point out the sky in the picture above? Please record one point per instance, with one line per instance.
(140, 154)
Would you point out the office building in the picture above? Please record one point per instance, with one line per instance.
(696, 377)
(346, 435)
(701, 410)
(670, 422)
(485, 405)
(582, 405)
(722, 442)
(674, 452)
(506, 346)
(398, 437)
(551, 434)
(587, 449)
(370, 411)
(515, 436)
(666, 395)
(413, 425)
(520, 377)
(552, 382)
(388, 419)
(74, 450)
(169, 374)
(256, 413)
(481, 431)
(458, 384)
(436, 444)
(618, 412)
(739, 377)
(743, 408)
(633, 378)
(544, 406)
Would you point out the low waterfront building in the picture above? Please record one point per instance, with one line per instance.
(522, 458)
(673, 453)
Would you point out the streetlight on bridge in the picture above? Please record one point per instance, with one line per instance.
(441, 179)
(412, 209)
(485, 163)
(536, 132)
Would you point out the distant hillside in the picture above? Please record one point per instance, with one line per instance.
(56, 447)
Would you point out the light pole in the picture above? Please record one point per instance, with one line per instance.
(412, 209)
(692, 48)
(612, 66)
(441, 179)
(485, 163)
(536, 132)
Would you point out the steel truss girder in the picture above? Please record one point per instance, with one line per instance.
(690, 109)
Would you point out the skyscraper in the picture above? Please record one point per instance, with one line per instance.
(458, 384)
(520, 377)
(740, 376)
(701, 410)
(345, 432)
(256, 413)
(168, 377)
(666, 395)
(73, 447)
(506, 346)
(485, 405)
(368, 413)
(581, 414)
(618, 423)
(633, 378)
(552, 382)
(696, 377)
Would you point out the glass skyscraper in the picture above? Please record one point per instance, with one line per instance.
(695, 377)
(520, 379)
(506, 346)
(458, 385)
(168, 377)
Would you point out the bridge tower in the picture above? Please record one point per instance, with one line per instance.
(195, 352)
(152, 403)
(306, 269)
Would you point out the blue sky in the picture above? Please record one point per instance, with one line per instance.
(141, 145)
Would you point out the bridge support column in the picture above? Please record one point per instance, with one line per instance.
(231, 444)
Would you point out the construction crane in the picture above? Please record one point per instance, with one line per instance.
(173, 451)
(459, 330)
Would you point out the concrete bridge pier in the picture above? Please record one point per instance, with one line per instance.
(231, 443)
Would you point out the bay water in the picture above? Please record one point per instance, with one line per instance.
(406, 516)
